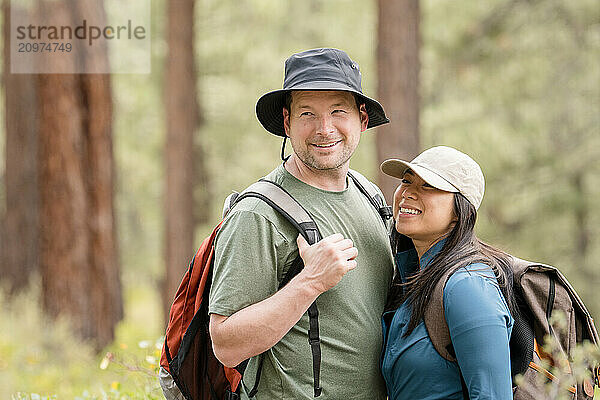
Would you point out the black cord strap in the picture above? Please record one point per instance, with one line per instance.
(550, 305)
(252, 392)
(283, 158)
(315, 346)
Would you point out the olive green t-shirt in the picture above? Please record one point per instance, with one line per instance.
(253, 251)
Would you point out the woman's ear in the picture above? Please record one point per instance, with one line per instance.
(453, 221)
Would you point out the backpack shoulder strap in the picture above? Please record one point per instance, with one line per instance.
(435, 320)
(370, 190)
(279, 198)
(437, 327)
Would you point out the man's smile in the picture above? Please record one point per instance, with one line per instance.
(326, 145)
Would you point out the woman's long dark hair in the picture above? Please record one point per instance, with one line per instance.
(461, 249)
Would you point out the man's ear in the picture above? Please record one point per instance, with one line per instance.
(286, 121)
(364, 117)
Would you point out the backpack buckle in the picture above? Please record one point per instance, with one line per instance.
(386, 212)
(314, 341)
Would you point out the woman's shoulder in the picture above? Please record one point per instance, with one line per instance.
(471, 279)
(472, 298)
(474, 271)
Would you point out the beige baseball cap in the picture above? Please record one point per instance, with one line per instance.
(444, 168)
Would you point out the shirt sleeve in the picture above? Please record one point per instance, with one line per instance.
(247, 262)
(480, 326)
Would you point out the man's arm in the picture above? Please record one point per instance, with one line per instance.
(258, 327)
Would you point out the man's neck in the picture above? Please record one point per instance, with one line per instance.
(333, 180)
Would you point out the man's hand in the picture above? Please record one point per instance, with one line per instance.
(327, 261)
(242, 335)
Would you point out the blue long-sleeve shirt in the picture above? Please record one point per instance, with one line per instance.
(480, 326)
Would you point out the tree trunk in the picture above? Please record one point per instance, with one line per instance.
(20, 232)
(182, 119)
(398, 88)
(96, 88)
(79, 262)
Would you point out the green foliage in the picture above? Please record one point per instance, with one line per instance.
(31, 396)
(40, 359)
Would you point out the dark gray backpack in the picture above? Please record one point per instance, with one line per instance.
(539, 290)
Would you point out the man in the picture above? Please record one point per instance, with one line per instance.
(323, 112)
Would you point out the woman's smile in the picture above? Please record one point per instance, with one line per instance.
(406, 211)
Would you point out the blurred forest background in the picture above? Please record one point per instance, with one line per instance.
(110, 182)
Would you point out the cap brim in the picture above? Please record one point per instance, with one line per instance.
(269, 107)
(397, 168)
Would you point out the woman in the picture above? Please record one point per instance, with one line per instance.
(435, 208)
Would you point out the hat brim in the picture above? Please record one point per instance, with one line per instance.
(397, 168)
(269, 107)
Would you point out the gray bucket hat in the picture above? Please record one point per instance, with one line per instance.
(444, 168)
(316, 69)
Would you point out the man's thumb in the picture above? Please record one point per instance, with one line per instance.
(302, 243)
